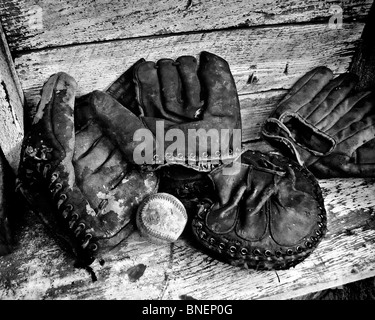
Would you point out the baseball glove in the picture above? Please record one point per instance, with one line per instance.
(269, 215)
(325, 126)
(75, 176)
(186, 99)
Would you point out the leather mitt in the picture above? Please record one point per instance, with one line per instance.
(74, 176)
(326, 126)
(268, 215)
(187, 97)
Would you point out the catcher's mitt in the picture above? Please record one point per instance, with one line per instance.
(75, 176)
(325, 126)
(268, 216)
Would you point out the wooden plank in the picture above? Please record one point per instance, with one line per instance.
(11, 106)
(261, 59)
(255, 109)
(38, 269)
(30, 24)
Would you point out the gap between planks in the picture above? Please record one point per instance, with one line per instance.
(48, 23)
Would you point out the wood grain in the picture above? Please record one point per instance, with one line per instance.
(34, 24)
(11, 106)
(261, 60)
(363, 62)
(38, 269)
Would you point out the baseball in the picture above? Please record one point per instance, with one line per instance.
(161, 218)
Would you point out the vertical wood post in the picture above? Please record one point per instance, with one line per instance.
(11, 106)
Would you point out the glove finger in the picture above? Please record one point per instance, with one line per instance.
(356, 135)
(325, 102)
(188, 67)
(118, 123)
(148, 92)
(218, 86)
(170, 86)
(253, 224)
(95, 153)
(223, 183)
(357, 113)
(123, 89)
(109, 183)
(147, 88)
(57, 122)
(305, 89)
(342, 109)
(92, 146)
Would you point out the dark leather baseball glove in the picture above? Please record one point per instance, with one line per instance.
(74, 174)
(266, 214)
(185, 98)
(326, 126)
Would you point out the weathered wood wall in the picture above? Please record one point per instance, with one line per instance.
(268, 44)
(32, 24)
(11, 106)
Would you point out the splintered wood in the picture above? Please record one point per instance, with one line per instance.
(39, 269)
(34, 24)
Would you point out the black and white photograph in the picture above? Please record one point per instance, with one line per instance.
(191, 151)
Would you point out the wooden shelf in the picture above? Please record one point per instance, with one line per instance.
(39, 269)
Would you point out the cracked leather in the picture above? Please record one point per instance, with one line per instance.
(267, 214)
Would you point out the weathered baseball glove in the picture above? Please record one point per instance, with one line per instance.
(325, 126)
(191, 101)
(269, 215)
(75, 176)
(181, 97)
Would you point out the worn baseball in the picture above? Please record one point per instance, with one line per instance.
(161, 218)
